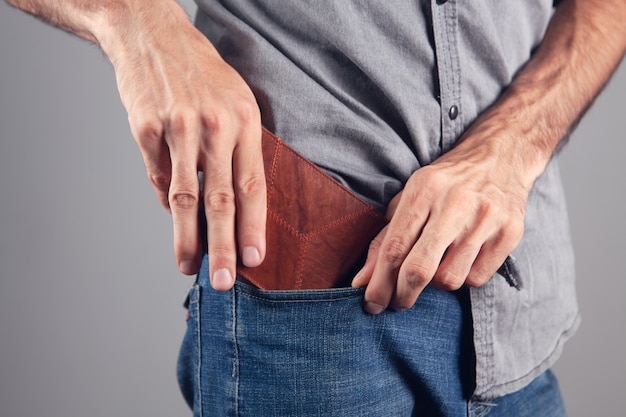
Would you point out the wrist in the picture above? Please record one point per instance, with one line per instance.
(127, 28)
(535, 124)
(508, 141)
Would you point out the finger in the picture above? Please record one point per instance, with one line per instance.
(183, 202)
(219, 206)
(402, 233)
(455, 266)
(159, 171)
(148, 134)
(462, 253)
(420, 265)
(363, 277)
(491, 256)
(181, 137)
(251, 197)
(486, 264)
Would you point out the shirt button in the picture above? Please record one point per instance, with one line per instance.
(453, 112)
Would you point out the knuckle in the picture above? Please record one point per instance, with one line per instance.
(215, 120)
(181, 120)
(159, 180)
(432, 179)
(509, 237)
(147, 129)
(247, 111)
(211, 122)
(488, 209)
(245, 230)
(219, 202)
(221, 254)
(183, 200)
(494, 214)
(251, 185)
(220, 251)
(449, 280)
(477, 279)
(374, 246)
(395, 250)
(416, 276)
(514, 230)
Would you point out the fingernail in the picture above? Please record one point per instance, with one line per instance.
(251, 256)
(187, 267)
(373, 308)
(222, 280)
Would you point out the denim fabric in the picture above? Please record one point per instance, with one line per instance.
(249, 352)
(256, 353)
(541, 398)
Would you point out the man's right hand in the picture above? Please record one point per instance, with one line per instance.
(189, 111)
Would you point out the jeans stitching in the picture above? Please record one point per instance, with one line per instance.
(480, 409)
(235, 369)
(195, 304)
(299, 301)
(299, 296)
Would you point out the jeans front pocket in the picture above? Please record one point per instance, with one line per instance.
(314, 352)
(317, 353)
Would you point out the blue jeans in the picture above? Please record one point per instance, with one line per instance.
(249, 352)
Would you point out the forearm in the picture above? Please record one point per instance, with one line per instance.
(80, 17)
(583, 45)
(112, 24)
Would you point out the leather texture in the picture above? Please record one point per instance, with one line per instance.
(318, 231)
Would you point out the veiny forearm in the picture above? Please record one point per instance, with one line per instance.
(80, 17)
(100, 21)
(583, 45)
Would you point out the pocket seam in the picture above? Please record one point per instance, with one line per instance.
(300, 296)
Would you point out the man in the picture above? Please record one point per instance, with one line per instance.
(456, 158)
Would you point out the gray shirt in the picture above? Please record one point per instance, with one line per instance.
(371, 91)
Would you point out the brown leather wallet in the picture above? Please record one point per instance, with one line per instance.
(318, 231)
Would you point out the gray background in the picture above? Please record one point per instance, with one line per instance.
(90, 299)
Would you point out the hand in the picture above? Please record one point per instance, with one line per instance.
(189, 111)
(454, 223)
(457, 219)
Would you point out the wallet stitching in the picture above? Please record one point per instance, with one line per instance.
(282, 222)
(316, 232)
(342, 220)
(300, 264)
(326, 177)
(280, 145)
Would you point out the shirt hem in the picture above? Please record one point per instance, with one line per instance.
(498, 390)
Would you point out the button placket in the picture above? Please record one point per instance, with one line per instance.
(445, 32)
